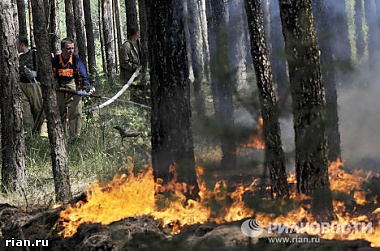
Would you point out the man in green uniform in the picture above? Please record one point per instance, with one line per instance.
(31, 90)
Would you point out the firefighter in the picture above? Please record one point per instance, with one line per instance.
(70, 73)
(31, 89)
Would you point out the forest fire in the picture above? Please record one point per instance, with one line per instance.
(256, 140)
(135, 195)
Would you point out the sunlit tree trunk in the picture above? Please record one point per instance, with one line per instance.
(238, 49)
(55, 129)
(195, 42)
(221, 79)
(13, 176)
(323, 28)
(172, 141)
(359, 34)
(309, 105)
(274, 154)
(108, 33)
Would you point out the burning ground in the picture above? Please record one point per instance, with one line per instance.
(132, 212)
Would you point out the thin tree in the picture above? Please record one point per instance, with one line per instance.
(143, 17)
(55, 32)
(323, 28)
(359, 31)
(70, 20)
(274, 154)
(21, 14)
(55, 129)
(12, 133)
(172, 141)
(108, 36)
(195, 42)
(131, 13)
(80, 30)
(90, 39)
(309, 105)
(221, 81)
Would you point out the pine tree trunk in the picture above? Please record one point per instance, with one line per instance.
(274, 154)
(309, 105)
(55, 129)
(21, 14)
(360, 44)
(172, 141)
(12, 132)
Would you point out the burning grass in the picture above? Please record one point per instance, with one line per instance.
(130, 195)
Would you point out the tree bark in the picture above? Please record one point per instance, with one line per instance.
(274, 154)
(55, 129)
(309, 105)
(221, 79)
(172, 141)
(359, 34)
(12, 133)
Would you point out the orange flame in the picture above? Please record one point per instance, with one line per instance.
(256, 141)
(135, 195)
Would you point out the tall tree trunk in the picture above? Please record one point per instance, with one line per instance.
(13, 175)
(131, 13)
(55, 129)
(172, 141)
(21, 14)
(221, 82)
(274, 154)
(309, 105)
(205, 49)
(143, 16)
(55, 32)
(360, 44)
(237, 48)
(80, 30)
(329, 81)
(109, 44)
(90, 39)
(70, 20)
(196, 50)
(31, 25)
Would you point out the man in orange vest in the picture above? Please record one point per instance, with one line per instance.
(71, 73)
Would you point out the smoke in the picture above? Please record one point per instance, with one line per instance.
(358, 109)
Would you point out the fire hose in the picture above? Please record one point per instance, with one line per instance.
(109, 100)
